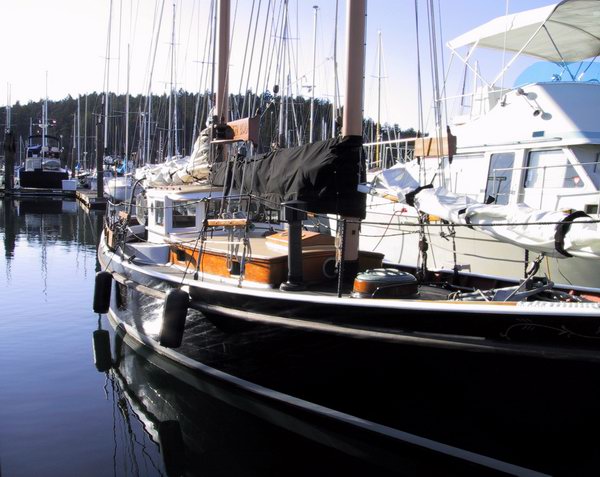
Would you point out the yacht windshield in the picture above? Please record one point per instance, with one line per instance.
(544, 71)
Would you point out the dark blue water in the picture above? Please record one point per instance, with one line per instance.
(61, 416)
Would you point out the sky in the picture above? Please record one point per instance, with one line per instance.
(66, 40)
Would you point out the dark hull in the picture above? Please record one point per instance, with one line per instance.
(507, 402)
(42, 179)
(200, 423)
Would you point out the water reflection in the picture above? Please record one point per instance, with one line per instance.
(41, 224)
(166, 425)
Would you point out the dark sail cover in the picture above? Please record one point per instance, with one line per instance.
(324, 174)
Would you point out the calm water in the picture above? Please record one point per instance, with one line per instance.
(60, 416)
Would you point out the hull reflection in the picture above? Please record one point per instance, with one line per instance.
(203, 428)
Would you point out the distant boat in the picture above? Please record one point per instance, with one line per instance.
(43, 167)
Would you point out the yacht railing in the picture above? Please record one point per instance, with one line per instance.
(543, 186)
(384, 154)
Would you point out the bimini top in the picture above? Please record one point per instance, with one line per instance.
(563, 32)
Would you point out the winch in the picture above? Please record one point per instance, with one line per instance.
(385, 283)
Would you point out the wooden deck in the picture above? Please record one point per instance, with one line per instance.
(31, 192)
(90, 200)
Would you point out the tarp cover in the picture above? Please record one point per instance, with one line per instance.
(324, 174)
(554, 233)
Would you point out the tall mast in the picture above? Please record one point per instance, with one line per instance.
(45, 119)
(353, 110)
(170, 135)
(79, 130)
(282, 118)
(107, 77)
(8, 107)
(85, 137)
(335, 75)
(312, 86)
(378, 130)
(355, 60)
(127, 115)
(222, 98)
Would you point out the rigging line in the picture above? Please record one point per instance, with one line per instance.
(208, 100)
(246, 94)
(435, 76)
(272, 47)
(419, 81)
(189, 37)
(152, 39)
(203, 80)
(279, 39)
(149, 90)
(224, 99)
(289, 87)
(262, 51)
(119, 48)
(246, 48)
(443, 60)
(214, 65)
(135, 22)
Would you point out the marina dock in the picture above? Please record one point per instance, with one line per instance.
(89, 200)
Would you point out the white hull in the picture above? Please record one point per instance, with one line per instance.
(476, 252)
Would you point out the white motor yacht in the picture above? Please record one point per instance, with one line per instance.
(519, 168)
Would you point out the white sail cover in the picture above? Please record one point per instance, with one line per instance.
(566, 31)
(180, 170)
(553, 233)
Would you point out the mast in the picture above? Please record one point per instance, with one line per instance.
(335, 75)
(222, 97)
(107, 78)
(353, 113)
(8, 107)
(282, 118)
(45, 119)
(170, 135)
(79, 131)
(127, 115)
(85, 137)
(378, 130)
(355, 59)
(74, 148)
(312, 86)
(101, 149)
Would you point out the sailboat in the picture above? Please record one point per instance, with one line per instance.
(304, 319)
(515, 158)
(43, 166)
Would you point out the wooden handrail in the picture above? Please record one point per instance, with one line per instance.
(227, 222)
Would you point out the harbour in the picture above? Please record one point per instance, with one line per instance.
(78, 420)
(282, 280)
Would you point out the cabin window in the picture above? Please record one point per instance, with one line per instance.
(184, 214)
(550, 170)
(213, 208)
(593, 169)
(459, 175)
(159, 213)
(499, 177)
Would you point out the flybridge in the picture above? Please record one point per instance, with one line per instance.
(564, 32)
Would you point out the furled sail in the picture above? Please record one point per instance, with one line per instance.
(180, 170)
(554, 233)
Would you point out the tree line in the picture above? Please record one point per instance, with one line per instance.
(149, 133)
